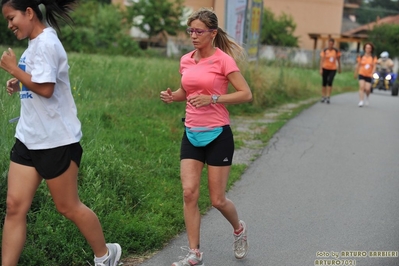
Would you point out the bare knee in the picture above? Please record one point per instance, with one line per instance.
(16, 207)
(68, 210)
(219, 203)
(190, 196)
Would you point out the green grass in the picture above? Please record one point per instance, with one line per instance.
(130, 168)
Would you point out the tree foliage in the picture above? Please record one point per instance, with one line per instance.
(278, 31)
(97, 28)
(156, 16)
(385, 37)
(370, 10)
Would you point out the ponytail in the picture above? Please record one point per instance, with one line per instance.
(228, 45)
(58, 9)
(54, 9)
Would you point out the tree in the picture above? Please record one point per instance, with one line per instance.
(156, 16)
(278, 31)
(385, 37)
(370, 10)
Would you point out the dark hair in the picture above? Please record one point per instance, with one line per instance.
(54, 9)
(372, 47)
(222, 40)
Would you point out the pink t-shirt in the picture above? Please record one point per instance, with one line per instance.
(208, 76)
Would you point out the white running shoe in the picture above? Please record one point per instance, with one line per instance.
(114, 256)
(366, 102)
(241, 243)
(361, 104)
(191, 259)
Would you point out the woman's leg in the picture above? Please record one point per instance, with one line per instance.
(64, 190)
(190, 171)
(217, 182)
(367, 88)
(23, 182)
(217, 179)
(330, 81)
(361, 89)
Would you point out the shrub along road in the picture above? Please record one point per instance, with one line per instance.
(325, 186)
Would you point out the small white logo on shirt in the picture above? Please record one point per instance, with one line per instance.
(226, 159)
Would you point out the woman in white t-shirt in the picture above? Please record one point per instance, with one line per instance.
(48, 131)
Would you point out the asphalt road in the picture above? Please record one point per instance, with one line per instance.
(327, 184)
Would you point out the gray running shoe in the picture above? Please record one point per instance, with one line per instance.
(190, 259)
(241, 243)
(114, 255)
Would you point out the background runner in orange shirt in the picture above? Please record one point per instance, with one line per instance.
(365, 68)
(329, 63)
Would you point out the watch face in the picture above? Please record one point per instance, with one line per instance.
(214, 98)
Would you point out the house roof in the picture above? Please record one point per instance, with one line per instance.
(362, 30)
(348, 24)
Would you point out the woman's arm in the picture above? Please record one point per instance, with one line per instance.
(9, 64)
(241, 95)
(178, 95)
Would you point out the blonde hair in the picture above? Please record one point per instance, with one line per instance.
(222, 40)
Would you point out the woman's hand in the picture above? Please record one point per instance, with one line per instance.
(166, 96)
(200, 100)
(8, 61)
(12, 86)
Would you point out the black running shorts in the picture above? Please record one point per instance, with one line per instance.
(219, 152)
(49, 163)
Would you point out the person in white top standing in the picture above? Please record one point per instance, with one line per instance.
(48, 131)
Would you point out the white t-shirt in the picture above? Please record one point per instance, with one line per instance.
(47, 123)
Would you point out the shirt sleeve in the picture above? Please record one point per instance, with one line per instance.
(45, 64)
(230, 65)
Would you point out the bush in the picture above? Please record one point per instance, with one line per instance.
(385, 37)
(99, 28)
(96, 28)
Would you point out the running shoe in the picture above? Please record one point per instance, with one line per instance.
(360, 104)
(323, 99)
(241, 243)
(114, 255)
(191, 259)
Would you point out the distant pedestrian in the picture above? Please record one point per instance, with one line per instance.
(330, 61)
(365, 67)
(48, 131)
(208, 139)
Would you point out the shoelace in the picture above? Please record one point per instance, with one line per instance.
(184, 259)
(239, 242)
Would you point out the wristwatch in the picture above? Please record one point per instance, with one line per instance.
(215, 98)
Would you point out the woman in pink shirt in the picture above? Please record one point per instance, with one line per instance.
(208, 139)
